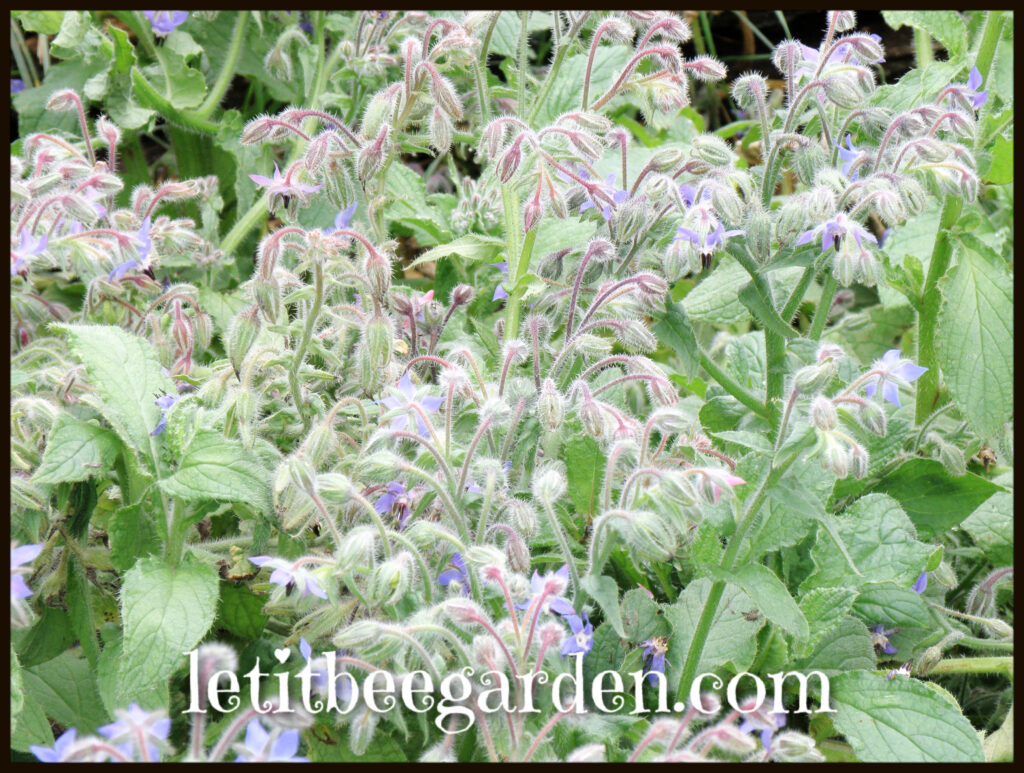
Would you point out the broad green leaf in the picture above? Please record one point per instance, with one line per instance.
(17, 694)
(125, 371)
(567, 90)
(716, 299)
(918, 86)
(642, 616)
(674, 329)
(991, 528)
(730, 639)
(78, 597)
(30, 103)
(975, 337)
(166, 611)
(471, 247)
(216, 467)
(933, 499)
(554, 234)
(769, 594)
(241, 611)
(49, 635)
(65, 689)
(881, 541)
(901, 720)
(947, 27)
(606, 593)
(186, 86)
(844, 647)
(33, 728)
(332, 745)
(1001, 170)
(764, 312)
(76, 450)
(584, 463)
(892, 605)
(45, 22)
(117, 693)
(132, 534)
(824, 609)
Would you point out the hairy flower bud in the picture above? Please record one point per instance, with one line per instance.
(374, 352)
(667, 159)
(440, 130)
(243, 331)
(713, 149)
(823, 413)
(267, 293)
(858, 461)
(872, 417)
(550, 406)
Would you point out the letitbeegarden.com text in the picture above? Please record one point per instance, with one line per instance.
(326, 685)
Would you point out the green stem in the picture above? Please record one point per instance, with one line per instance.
(524, 35)
(931, 297)
(990, 665)
(515, 300)
(300, 351)
(732, 550)
(730, 385)
(774, 344)
(227, 70)
(922, 47)
(563, 544)
(821, 313)
(149, 97)
(549, 79)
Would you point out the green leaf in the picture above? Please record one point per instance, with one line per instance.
(76, 450)
(166, 611)
(824, 609)
(606, 593)
(44, 22)
(845, 647)
(65, 689)
(974, 339)
(584, 463)
(918, 86)
(901, 720)
(1001, 170)
(125, 371)
(186, 86)
(132, 535)
(30, 104)
(763, 312)
(880, 539)
(216, 467)
(769, 594)
(947, 27)
(567, 90)
(78, 598)
(935, 500)
(892, 605)
(116, 694)
(471, 247)
(673, 328)
(991, 528)
(716, 299)
(33, 728)
(241, 611)
(17, 690)
(731, 637)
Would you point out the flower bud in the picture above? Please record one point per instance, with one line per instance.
(592, 418)
(729, 739)
(243, 331)
(361, 729)
(377, 270)
(823, 413)
(843, 91)
(65, 99)
(371, 157)
(814, 378)
(667, 159)
(374, 352)
(748, 90)
(649, 537)
(391, 579)
(517, 553)
(952, 458)
(790, 746)
(858, 461)
(591, 752)
(842, 21)
(872, 417)
(357, 635)
(944, 575)
(267, 293)
(522, 517)
(302, 474)
(998, 629)
(440, 130)
(356, 550)
(462, 294)
(549, 483)
(713, 150)
(758, 225)
(550, 406)
(278, 63)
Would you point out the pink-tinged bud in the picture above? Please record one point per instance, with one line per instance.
(842, 21)
(517, 553)
(462, 294)
(592, 418)
(440, 130)
(729, 739)
(377, 270)
(533, 212)
(463, 611)
(443, 92)
(823, 413)
(108, 131)
(65, 99)
(858, 461)
(585, 120)
(865, 46)
(267, 294)
(706, 68)
(257, 130)
(181, 329)
(494, 137)
(371, 158)
(509, 162)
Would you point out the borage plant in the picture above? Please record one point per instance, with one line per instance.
(456, 394)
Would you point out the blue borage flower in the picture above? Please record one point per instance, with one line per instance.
(833, 231)
(500, 294)
(849, 155)
(880, 639)
(145, 731)
(165, 22)
(895, 371)
(261, 746)
(456, 573)
(60, 750)
(404, 397)
(549, 590)
(766, 723)
(921, 583)
(142, 257)
(582, 640)
(291, 576)
(164, 402)
(20, 555)
(394, 499)
(28, 246)
(654, 652)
